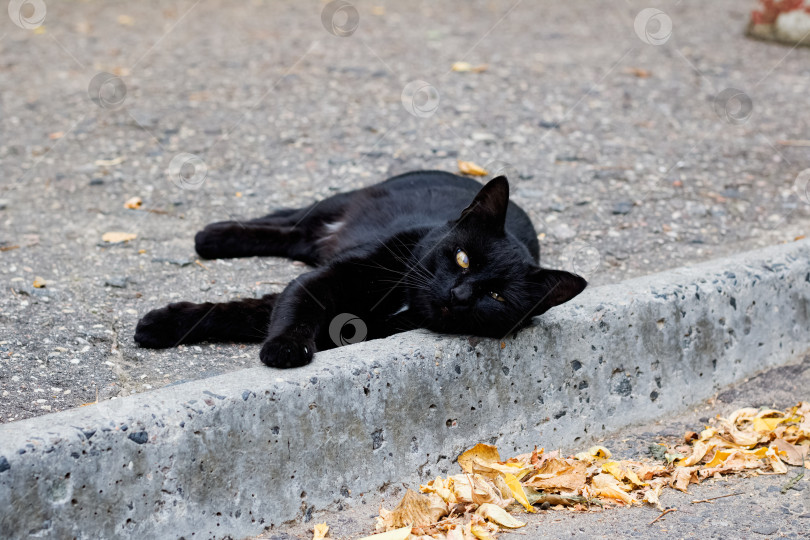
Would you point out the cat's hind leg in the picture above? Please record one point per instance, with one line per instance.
(231, 239)
(242, 321)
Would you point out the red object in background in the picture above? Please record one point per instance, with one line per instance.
(772, 8)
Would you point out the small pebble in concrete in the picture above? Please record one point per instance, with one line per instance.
(119, 282)
(622, 207)
(139, 437)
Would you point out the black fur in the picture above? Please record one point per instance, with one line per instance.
(387, 255)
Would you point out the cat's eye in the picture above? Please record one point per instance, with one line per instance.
(462, 259)
(497, 296)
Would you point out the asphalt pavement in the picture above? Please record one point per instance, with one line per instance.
(615, 126)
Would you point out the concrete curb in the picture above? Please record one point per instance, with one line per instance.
(231, 455)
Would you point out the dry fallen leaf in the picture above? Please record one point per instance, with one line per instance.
(39, 283)
(498, 515)
(109, 162)
(414, 510)
(478, 458)
(116, 237)
(397, 534)
(517, 491)
(470, 168)
(594, 453)
(748, 440)
(638, 72)
(791, 453)
(605, 485)
(463, 67)
(133, 203)
(320, 531)
(559, 474)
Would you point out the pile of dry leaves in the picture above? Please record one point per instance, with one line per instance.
(480, 502)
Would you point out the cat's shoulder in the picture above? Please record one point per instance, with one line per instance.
(430, 179)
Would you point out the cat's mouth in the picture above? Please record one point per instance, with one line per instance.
(445, 311)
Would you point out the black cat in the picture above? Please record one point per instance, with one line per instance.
(411, 252)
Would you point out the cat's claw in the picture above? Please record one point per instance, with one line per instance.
(284, 352)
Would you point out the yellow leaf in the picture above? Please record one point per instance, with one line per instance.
(470, 168)
(481, 533)
(116, 237)
(133, 203)
(463, 67)
(622, 471)
(606, 486)
(397, 534)
(320, 531)
(767, 420)
(719, 457)
(478, 459)
(594, 453)
(517, 491)
(39, 283)
(499, 516)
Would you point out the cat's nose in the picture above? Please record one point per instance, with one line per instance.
(460, 294)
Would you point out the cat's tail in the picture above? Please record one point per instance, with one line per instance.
(243, 321)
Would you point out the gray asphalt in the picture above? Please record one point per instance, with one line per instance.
(622, 174)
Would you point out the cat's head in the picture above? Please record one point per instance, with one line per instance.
(479, 278)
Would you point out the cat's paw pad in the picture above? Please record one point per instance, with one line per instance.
(284, 352)
(164, 327)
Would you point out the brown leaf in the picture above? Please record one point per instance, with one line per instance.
(559, 474)
(792, 454)
(415, 510)
(484, 491)
(638, 72)
(682, 477)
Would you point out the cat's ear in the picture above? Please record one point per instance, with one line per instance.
(554, 287)
(488, 209)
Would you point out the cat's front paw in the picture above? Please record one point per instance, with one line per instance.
(285, 352)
